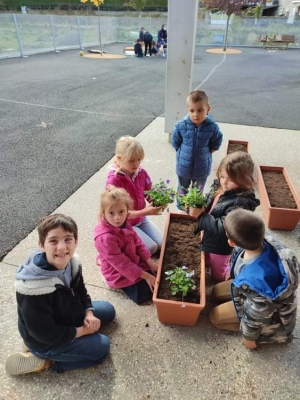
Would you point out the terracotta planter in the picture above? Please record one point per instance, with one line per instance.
(278, 218)
(195, 212)
(237, 145)
(178, 312)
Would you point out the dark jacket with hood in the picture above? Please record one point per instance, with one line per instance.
(214, 238)
(264, 292)
(51, 302)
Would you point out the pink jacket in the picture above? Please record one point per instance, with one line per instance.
(122, 255)
(135, 186)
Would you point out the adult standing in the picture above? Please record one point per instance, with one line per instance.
(141, 35)
(162, 35)
(148, 42)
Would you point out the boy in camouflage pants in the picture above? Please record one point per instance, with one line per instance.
(263, 289)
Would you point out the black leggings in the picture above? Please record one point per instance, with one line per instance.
(148, 44)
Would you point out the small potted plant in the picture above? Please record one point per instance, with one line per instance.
(181, 281)
(161, 194)
(192, 200)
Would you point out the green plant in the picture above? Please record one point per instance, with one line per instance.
(161, 194)
(193, 197)
(181, 281)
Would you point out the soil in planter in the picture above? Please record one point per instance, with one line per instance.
(181, 249)
(278, 190)
(232, 147)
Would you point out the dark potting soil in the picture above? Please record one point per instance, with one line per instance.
(181, 250)
(232, 147)
(278, 190)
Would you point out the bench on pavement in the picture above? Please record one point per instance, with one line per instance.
(272, 40)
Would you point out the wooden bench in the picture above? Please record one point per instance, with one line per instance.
(281, 41)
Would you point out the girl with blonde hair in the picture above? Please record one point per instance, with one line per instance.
(124, 260)
(127, 173)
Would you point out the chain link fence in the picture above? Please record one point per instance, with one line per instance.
(26, 34)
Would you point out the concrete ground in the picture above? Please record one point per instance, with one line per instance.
(149, 360)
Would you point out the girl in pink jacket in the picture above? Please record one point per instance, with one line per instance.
(128, 174)
(123, 259)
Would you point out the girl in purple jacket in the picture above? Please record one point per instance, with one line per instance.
(124, 261)
(128, 174)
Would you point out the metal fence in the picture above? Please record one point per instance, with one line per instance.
(26, 34)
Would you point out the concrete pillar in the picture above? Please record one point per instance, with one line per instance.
(182, 23)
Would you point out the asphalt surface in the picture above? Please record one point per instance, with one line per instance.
(61, 115)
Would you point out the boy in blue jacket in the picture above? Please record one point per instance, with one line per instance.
(264, 287)
(195, 138)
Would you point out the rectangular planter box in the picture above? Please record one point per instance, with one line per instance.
(178, 312)
(278, 218)
(239, 144)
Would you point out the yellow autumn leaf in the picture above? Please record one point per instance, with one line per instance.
(84, 1)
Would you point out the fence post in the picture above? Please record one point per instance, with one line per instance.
(53, 34)
(18, 35)
(79, 32)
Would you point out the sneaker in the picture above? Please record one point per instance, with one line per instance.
(24, 363)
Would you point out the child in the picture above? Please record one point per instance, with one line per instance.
(234, 189)
(124, 260)
(264, 288)
(195, 138)
(57, 319)
(138, 51)
(129, 175)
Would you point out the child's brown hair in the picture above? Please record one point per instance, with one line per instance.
(245, 228)
(46, 224)
(240, 167)
(112, 196)
(196, 96)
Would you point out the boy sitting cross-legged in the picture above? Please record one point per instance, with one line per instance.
(56, 317)
(264, 287)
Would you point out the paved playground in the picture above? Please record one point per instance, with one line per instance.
(148, 360)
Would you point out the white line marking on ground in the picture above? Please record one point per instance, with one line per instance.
(74, 110)
(211, 72)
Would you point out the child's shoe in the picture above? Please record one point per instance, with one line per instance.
(24, 363)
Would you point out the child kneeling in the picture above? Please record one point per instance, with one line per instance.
(264, 287)
(57, 319)
(124, 260)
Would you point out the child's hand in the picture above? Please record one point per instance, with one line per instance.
(250, 344)
(227, 275)
(152, 265)
(150, 279)
(150, 210)
(91, 322)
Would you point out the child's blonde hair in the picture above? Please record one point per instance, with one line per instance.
(126, 148)
(239, 166)
(114, 195)
(196, 96)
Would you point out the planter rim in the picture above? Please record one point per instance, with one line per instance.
(241, 142)
(158, 276)
(287, 178)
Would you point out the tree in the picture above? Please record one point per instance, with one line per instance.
(230, 7)
(137, 5)
(97, 4)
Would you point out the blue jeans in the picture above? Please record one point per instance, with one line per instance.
(140, 292)
(184, 183)
(150, 234)
(85, 351)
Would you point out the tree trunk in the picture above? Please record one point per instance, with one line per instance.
(226, 33)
